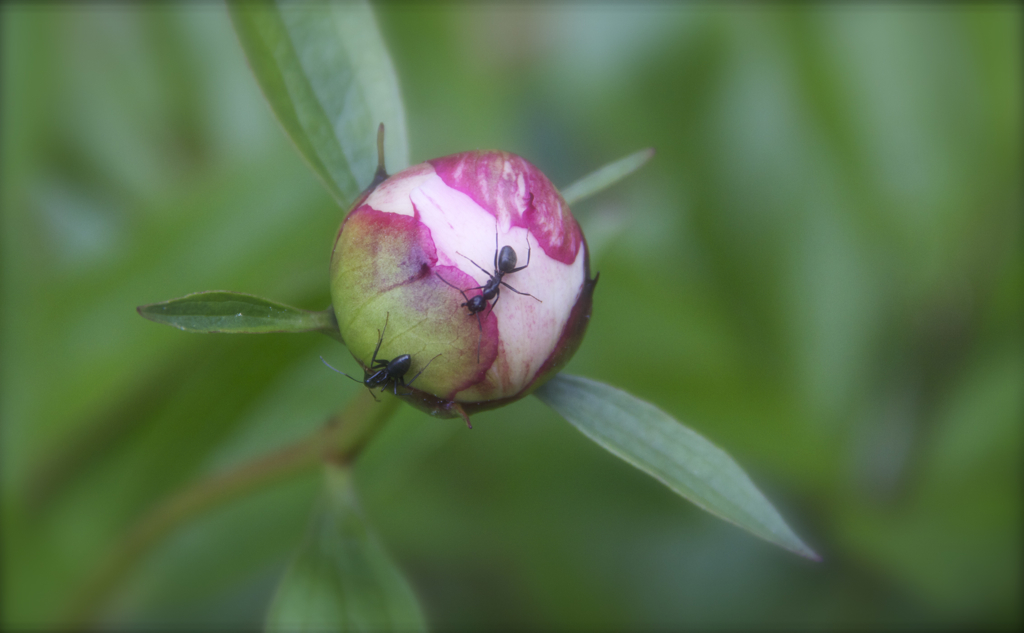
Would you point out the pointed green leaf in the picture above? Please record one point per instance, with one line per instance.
(659, 445)
(342, 579)
(326, 73)
(606, 176)
(237, 313)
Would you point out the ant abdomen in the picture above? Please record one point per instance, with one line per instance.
(507, 259)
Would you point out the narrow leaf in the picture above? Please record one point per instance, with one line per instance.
(342, 579)
(659, 445)
(606, 176)
(237, 313)
(326, 73)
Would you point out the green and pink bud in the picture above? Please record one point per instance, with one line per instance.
(409, 246)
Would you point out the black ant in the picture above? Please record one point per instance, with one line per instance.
(504, 264)
(386, 371)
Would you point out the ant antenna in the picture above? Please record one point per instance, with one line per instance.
(479, 323)
(478, 266)
(339, 371)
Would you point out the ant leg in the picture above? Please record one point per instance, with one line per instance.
(459, 289)
(479, 266)
(380, 339)
(464, 295)
(409, 384)
(497, 295)
(495, 242)
(525, 294)
(375, 398)
(339, 371)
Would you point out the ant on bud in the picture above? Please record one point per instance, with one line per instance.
(505, 261)
(385, 372)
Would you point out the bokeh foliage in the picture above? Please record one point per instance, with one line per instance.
(821, 271)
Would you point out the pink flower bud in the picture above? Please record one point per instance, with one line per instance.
(412, 243)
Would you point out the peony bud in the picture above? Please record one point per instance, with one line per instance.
(415, 240)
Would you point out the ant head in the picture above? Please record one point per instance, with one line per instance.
(379, 378)
(476, 304)
(506, 259)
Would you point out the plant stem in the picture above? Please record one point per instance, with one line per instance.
(339, 441)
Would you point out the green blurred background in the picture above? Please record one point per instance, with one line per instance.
(821, 271)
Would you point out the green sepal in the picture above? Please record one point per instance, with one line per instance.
(218, 311)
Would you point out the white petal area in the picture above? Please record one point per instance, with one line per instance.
(392, 195)
(528, 329)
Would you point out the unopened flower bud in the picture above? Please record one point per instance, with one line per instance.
(483, 231)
